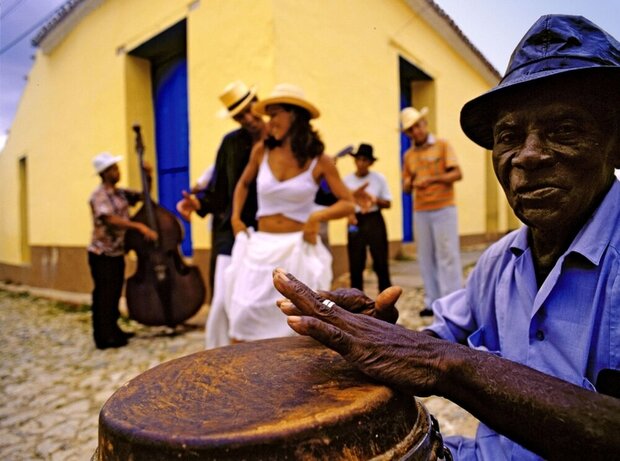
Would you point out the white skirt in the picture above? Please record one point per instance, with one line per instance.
(250, 295)
(216, 332)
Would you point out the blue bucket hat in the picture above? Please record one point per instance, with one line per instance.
(555, 46)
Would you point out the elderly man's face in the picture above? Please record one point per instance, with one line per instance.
(553, 161)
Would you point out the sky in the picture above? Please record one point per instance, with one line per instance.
(493, 26)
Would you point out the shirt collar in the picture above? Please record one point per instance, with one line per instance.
(594, 236)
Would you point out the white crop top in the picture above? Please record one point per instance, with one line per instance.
(293, 198)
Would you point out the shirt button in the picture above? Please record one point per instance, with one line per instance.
(540, 335)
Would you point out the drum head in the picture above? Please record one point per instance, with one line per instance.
(285, 398)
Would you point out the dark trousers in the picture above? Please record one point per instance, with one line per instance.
(372, 234)
(108, 274)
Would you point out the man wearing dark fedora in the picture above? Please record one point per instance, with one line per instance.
(367, 230)
(531, 345)
(231, 159)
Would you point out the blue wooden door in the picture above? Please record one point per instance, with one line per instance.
(405, 143)
(172, 136)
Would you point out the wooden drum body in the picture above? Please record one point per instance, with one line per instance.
(285, 398)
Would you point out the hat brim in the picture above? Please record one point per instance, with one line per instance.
(225, 113)
(372, 159)
(423, 113)
(479, 115)
(260, 107)
(112, 161)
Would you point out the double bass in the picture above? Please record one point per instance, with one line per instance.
(164, 289)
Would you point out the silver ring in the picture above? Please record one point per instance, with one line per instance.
(328, 303)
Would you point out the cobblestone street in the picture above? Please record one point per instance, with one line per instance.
(54, 382)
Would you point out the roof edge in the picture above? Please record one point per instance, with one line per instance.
(62, 23)
(447, 28)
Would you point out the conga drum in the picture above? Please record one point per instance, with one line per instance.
(276, 399)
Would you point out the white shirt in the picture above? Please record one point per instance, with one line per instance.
(377, 186)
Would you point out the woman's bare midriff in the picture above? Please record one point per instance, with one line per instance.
(278, 224)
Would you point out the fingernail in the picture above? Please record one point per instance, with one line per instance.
(294, 319)
(281, 275)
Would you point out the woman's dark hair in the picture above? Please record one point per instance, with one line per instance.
(305, 141)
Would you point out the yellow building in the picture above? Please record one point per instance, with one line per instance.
(104, 65)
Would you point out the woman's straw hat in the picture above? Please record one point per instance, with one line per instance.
(286, 93)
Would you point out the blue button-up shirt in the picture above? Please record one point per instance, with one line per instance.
(568, 328)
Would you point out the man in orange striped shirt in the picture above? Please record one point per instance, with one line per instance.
(430, 169)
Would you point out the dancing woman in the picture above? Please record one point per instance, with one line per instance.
(288, 167)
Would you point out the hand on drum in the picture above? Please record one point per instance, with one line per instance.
(356, 301)
(389, 353)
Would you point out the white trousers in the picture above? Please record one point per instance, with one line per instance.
(437, 243)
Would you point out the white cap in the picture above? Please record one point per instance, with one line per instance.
(105, 160)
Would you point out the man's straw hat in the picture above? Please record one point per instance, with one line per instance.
(286, 93)
(235, 97)
(409, 116)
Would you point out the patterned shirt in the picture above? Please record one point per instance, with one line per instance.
(109, 240)
(433, 158)
(568, 328)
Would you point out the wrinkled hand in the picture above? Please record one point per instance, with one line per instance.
(187, 205)
(392, 354)
(356, 301)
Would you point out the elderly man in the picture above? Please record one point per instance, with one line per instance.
(531, 345)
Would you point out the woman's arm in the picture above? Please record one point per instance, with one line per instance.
(342, 208)
(241, 189)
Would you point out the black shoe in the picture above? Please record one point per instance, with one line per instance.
(117, 342)
(426, 312)
(119, 333)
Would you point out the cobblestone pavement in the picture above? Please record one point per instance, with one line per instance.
(54, 382)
